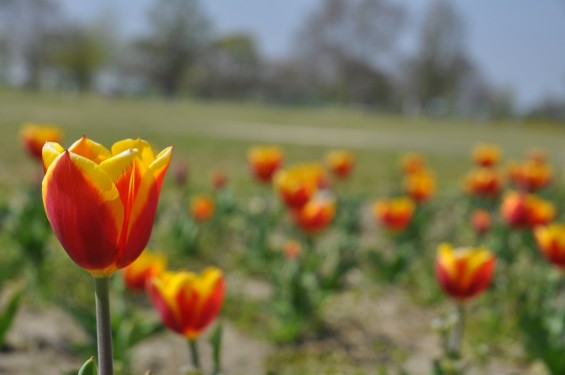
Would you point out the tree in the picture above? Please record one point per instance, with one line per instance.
(179, 30)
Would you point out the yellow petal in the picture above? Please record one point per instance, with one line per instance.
(118, 164)
(145, 151)
(50, 152)
(91, 150)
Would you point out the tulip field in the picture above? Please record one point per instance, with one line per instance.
(143, 236)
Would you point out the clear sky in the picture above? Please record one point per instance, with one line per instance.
(518, 44)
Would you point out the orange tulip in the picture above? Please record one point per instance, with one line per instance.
(292, 249)
(265, 161)
(464, 273)
(485, 182)
(202, 207)
(395, 214)
(317, 214)
(412, 163)
(551, 242)
(523, 210)
(101, 204)
(34, 136)
(188, 302)
(147, 266)
(530, 175)
(481, 221)
(485, 155)
(297, 184)
(420, 186)
(340, 163)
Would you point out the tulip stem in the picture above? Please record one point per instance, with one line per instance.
(103, 327)
(457, 333)
(194, 354)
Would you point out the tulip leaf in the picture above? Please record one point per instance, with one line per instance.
(88, 368)
(7, 316)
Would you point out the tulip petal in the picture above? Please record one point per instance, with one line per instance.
(161, 290)
(50, 152)
(91, 150)
(159, 166)
(144, 148)
(119, 165)
(88, 232)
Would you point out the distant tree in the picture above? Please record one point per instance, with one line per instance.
(354, 37)
(178, 32)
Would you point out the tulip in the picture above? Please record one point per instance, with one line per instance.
(292, 249)
(147, 266)
(34, 136)
(180, 173)
(202, 207)
(219, 179)
(551, 242)
(317, 214)
(412, 163)
(101, 204)
(264, 161)
(395, 214)
(485, 155)
(464, 273)
(485, 182)
(522, 210)
(340, 163)
(297, 184)
(481, 221)
(420, 186)
(530, 175)
(187, 302)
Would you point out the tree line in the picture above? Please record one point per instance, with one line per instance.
(346, 52)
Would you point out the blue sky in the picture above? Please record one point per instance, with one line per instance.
(518, 44)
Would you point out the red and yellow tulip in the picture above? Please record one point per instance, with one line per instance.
(420, 186)
(292, 249)
(486, 155)
(485, 182)
(530, 175)
(202, 207)
(316, 214)
(464, 273)
(34, 136)
(297, 184)
(188, 302)
(264, 161)
(340, 162)
(412, 163)
(101, 204)
(523, 210)
(394, 214)
(551, 242)
(481, 221)
(147, 266)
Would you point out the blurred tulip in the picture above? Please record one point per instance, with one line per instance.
(484, 182)
(340, 162)
(148, 265)
(292, 249)
(264, 161)
(297, 184)
(180, 173)
(522, 210)
(551, 242)
(412, 163)
(101, 204)
(530, 175)
(420, 186)
(486, 155)
(317, 214)
(34, 136)
(395, 214)
(202, 207)
(188, 302)
(464, 273)
(219, 179)
(481, 221)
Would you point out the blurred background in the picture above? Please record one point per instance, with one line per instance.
(478, 60)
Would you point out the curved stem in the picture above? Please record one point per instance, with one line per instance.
(195, 356)
(103, 327)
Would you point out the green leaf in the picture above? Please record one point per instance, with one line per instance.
(89, 368)
(7, 316)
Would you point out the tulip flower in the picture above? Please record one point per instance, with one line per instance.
(297, 184)
(530, 175)
(481, 221)
(394, 214)
(412, 163)
(292, 249)
(180, 173)
(523, 210)
(486, 155)
(101, 204)
(219, 179)
(188, 302)
(147, 266)
(464, 273)
(202, 207)
(420, 186)
(340, 163)
(551, 242)
(317, 214)
(264, 161)
(34, 136)
(485, 182)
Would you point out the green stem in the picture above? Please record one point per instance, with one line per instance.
(457, 333)
(103, 327)
(194, 355)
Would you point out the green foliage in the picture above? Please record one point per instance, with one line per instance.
(8, 314)
(89, 367)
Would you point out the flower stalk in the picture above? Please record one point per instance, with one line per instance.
(103, 327)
